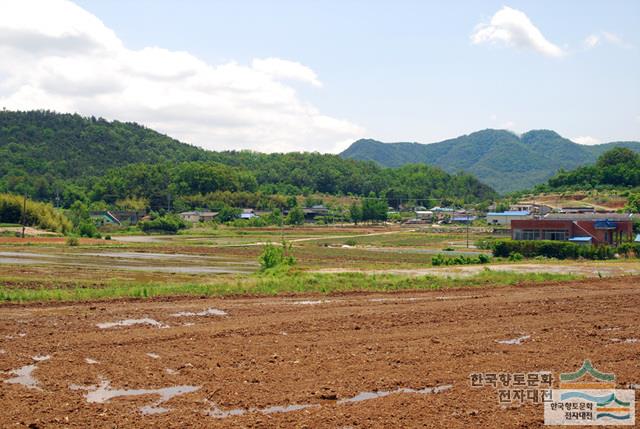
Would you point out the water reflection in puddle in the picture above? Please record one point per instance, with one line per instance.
(104, 393)
(322, 301)
(207, 312)
(515, 341)
(24, 375)
(365, 396)
(130, 322)
(220, 413)
(136, 261)
(627, 340)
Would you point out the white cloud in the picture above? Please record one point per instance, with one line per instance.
(278, 68)
(55, 55)
(586, 140)
(514, 28)
(591, 41)
(596, 39)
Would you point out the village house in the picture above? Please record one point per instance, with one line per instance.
(198, 216)
(533, 208)
(115, 217)
(584, 228)
(505, 218)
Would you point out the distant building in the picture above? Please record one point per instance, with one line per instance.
(587, 228)
(115, 217)
(533, 208)
(463, 219)
(505, 218)
(104, 217)
(311, 213)
(198, 216)
(424, 214)
(578, 209)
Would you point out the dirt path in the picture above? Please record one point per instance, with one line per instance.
(186, 364)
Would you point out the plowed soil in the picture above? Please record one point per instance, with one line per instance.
(313, 350)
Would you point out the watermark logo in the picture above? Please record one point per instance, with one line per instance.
(589, 397)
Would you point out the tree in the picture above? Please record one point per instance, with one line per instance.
(227, 214)
(295, 216)
(79, 213)
(355, 212)
(633, 203)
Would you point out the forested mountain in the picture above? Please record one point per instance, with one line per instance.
(64, 158)
(500, 158)
(616, 168)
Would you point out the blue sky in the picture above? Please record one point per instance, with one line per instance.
(396, 71)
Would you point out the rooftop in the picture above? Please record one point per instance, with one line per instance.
(509, 213)
(589, 216)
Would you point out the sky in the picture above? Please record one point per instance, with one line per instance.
(303, 75)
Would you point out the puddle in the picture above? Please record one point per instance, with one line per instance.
(41, 358)
(322, 301)
(130, 322)
(365, 396)
(153, 355)
(134, 261)
(91, 361)
(170, 371)
(221, 414)
(447, 298)
(104, 393)
(207, 312)
(24, 375)
(395, 299)
(515, 341)
(627, 340)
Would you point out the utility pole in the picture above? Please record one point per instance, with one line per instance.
(467, 229)
(23, 221)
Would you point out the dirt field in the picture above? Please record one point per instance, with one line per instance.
(82, 365)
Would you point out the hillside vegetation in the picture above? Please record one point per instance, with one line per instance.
(37, 214)
(500, 158)
(617, 168)
(66, 158)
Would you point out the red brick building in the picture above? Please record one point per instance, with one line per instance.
(594, 228)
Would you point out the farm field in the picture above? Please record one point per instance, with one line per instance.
(363, 331)
(348, 360)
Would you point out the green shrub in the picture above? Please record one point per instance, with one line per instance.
(276, 257)
(515, 256)
(73, 241)
(440, 259)
(550, 249)
(88, 229)
(484, 259)
(351, 242)
(169, 223)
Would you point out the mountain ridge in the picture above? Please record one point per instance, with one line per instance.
(500, 158)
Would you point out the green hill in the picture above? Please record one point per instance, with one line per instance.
(617, 168)
(502, 159)
(64, 157)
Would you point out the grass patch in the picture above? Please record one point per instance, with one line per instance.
(278, 283)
